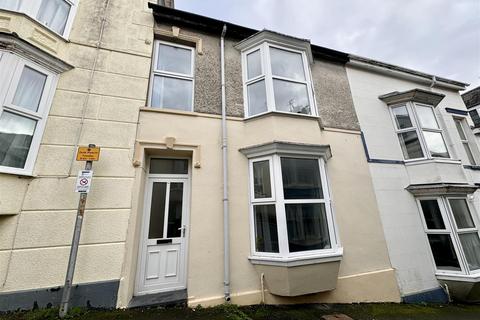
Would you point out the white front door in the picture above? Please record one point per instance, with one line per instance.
(162, 257)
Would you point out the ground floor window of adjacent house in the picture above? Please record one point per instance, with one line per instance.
(290, 207)
(451, 226)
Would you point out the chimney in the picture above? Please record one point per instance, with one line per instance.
(167, 3)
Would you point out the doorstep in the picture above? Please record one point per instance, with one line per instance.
(177, 297)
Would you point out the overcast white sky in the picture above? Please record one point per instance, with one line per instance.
(441, 37)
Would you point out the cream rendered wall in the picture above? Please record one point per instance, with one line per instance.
(36, 234)
(365, 262)
(407, 244)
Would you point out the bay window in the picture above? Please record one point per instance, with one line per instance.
(25, 94)
(56, 15)
(418, 131)
(290, 205)
(452, 232)
(172, 79)
(277, 79)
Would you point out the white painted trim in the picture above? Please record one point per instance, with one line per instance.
(12, 67)
(154, 72)
(298, 260)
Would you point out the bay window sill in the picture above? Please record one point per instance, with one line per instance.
(459, 277)
(434, 160)
(300, 260)
(282, 114)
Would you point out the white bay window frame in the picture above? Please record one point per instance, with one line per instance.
(419, 129)
(11, 67)
(277, 199)
(454, 232)
(173, 75)
(32, 9)
(268, 77)
(466, 140)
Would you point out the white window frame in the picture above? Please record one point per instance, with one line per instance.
(279, 202)
(181, 76)
(32, 7)
(12, 66)
(452, 230)
(267, 75)
(417, 127)
(467, 141)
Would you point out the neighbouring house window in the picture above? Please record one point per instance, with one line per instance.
(462, 128)
(475, 117)
(290, 207)
(57, 15)
(452, 232)
(418, 132)
(277, 79)
(26, 93)
(172, 77)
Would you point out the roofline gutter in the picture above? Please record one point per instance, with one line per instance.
(404, 73)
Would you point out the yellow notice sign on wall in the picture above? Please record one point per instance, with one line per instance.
(88, 154)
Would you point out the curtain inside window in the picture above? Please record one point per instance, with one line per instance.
(16, 133)
(9, 4)
(54, 14)
(30, 89)
(471, 248)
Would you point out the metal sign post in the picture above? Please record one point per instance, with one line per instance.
(82, 186)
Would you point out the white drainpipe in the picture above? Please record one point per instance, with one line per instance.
(226, 227)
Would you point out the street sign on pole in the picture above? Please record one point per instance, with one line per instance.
(84, 181)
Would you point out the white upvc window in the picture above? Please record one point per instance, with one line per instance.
(172, 78)
(451, 225)
(276, 78)
(291, 214)
(418, 131)
(57, 15)
(462, 129)
(26, 91)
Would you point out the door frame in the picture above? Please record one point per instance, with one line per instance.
(142, 245)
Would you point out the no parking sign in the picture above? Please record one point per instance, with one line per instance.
(84, 181)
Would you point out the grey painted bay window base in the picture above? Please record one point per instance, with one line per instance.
(95, 295)
(436, 295)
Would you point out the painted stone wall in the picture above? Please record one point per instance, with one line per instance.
(96, 102)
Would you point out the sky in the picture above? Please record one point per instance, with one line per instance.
(440, 37)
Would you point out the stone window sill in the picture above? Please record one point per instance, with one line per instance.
(298, 260)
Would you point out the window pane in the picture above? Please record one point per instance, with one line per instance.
(471, 248)
(402, 119)
(174, 59)
(157, 210)
(427, 117)
(172, 93)
(261, 179)
(432, 214)
(16, 133)
(410, 144)
(266, 237)
(257, 99)
(468, 151)
(54, 14)
(9, 4)
(443, 252)
(458, 124)
(175, 204)
(254, 64)
(169, 166)
(461, 213)
(291, 97)
(287, 64)
(307, 227)
(435, 144)
(30, 88)
(301, 179)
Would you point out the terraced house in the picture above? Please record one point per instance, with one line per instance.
(236, 164)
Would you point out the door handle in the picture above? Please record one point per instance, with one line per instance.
(183, 230)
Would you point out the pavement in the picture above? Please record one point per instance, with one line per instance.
(374, 311)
